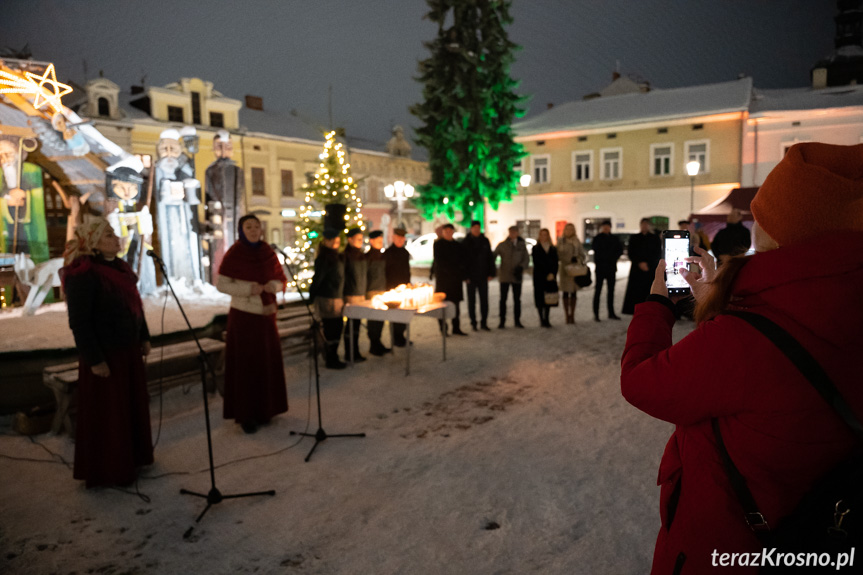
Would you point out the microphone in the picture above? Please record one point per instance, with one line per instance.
(153, 255)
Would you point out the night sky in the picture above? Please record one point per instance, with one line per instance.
(291, 51)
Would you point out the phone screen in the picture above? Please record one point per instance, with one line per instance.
(676, 246)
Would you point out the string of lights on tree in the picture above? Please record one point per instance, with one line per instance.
(331, 184)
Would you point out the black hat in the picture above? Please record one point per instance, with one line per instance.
(445, 226)
(330, 234)
(400, 232)
(354, 231)
(376, 234)
(476, 223)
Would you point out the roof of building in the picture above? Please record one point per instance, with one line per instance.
(807, 98)
(628, 109)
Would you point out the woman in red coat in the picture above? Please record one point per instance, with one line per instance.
(807, 276)
(112, 436)
(254, 373)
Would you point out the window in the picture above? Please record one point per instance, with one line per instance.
(582, 166)
(612, 158)
(541, 165)
(258, 186)
(196, 108)
(661, 159)
(104, 107)
(175, 114)
(698, 150)
(287, 183)
(217, 119)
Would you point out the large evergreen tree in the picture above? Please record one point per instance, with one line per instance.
(331, 184)
(468, 108)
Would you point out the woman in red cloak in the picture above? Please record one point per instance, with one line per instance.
(254, 373)
(112, 436)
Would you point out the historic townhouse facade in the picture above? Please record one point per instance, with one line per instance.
(623, 156)
(276, 150)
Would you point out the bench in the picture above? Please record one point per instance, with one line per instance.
(167, 366)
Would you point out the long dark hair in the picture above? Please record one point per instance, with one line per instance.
(719, 297)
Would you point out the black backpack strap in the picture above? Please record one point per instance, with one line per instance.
(819, 379)
(807, 364)
(753, 516)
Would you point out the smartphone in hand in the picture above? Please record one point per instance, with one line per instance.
(675, 250)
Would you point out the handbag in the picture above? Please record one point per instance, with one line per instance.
(552, 298)
(575, 269)
(822, 522)
(585, 280)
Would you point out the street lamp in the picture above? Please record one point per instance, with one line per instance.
(692, 168)
(524, 180)
(399, 192)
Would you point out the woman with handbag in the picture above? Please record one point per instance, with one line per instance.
(573, 264)
(545, 263)
(727, 381)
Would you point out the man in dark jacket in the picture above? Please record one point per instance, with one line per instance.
(376, 284)
(448, 269)
(326, 293)
(514, 259)
(480, 269)
(732, 240)
(645, 251)
(398, 272)
(356, 272)
(606, 251)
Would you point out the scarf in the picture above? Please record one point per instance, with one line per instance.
(87, 236)
(253, 263)
(115, 277)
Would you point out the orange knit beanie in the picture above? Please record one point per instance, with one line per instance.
(816, 188)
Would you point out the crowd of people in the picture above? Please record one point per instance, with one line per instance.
(750, 430)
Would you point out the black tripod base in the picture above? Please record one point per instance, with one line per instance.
(321, 435)
(215, 496)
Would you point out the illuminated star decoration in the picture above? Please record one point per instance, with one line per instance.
(35, 84)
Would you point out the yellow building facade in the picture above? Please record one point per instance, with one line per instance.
(622, 158)
(275, 161)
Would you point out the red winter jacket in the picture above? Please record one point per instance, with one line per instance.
(779, 432)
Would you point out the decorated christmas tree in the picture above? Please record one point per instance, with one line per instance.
(330, 193)
(468, 108)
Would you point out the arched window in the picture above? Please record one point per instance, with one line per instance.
(104, 107)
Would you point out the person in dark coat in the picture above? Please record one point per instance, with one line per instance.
(645, 251)
(326, 293)
(252, 275)
(514, 259)
(479, 261)
(376, 284)
(356, 278)
(606, 251)
(545, 265)
(779, 432)
(448, 269)
(112, 437)
(734, 239)
(398, 272)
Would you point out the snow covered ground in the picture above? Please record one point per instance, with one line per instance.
(516, 455)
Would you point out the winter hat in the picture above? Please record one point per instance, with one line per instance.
(375, 234)
(87, 236)
(354, 231)
(330, 234)
(816, 188)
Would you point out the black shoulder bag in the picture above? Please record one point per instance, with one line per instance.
(829, 518)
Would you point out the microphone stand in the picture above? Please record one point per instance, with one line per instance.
(320, 435)
(214, 496)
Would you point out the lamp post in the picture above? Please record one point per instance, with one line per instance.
(524, 180)
(399, 192)
(692, 168)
